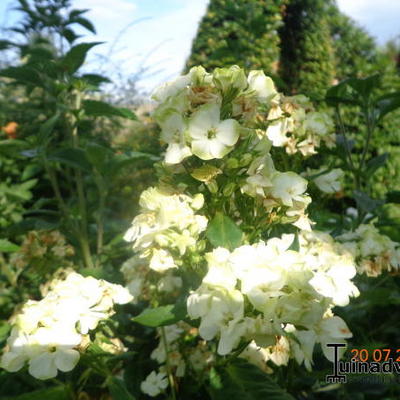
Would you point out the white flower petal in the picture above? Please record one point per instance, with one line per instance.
(206, 118)
(67, 359)
(227, 132)
(43, 366)
(176, 152)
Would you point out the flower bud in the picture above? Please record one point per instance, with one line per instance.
(232, 163)
(229, 189)
(245, 160)
(212, 186)
(198, 201)
(227, 78)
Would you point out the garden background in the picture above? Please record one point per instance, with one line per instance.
(81, 140)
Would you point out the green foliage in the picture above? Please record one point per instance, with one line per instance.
(118, 390)
(239, 32)
(306, 64)
(240, 380)
(161, 316)
(7, 247)
(99, 108)
(53, 393)
(222, 231)
(59, 170)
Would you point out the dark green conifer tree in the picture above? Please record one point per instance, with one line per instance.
(307, 56)
(241, 32)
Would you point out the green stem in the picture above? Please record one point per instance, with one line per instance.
(84, 240)
(167, 364)
(55, 186)
(100, 222)
(346, 142)
(370, 129)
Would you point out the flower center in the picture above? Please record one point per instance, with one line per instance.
(211, 133)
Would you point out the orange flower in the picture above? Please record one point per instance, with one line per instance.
(11, 130)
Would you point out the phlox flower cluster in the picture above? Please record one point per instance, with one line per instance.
(196, 120)
(275, 294)
(221, 124)
(374, 252)
(296, 126)
(266, 291)
(180, 357)
(167, 225)
(138, 280)
(40, 245)
(48, 334)
(156, 382)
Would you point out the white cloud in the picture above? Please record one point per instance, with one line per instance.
(106, 13)
(160, 43)
(380, 18)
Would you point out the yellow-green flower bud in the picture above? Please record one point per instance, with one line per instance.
(227, 78)
(229, 189)
(245, 160)
(212, 186)
(232, 163)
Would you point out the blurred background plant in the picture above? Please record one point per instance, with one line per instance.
(66, 186)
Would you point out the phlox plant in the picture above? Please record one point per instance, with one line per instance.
(228, 228)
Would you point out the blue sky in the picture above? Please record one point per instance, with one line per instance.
(160, 39)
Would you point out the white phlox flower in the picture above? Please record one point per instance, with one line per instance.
(48, 333)
(154, 384)
(329, 182)
(211, 137)
(374, 252)
(288, 187)
(167, 221)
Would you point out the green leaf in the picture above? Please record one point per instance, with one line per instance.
(5, 328)
(365, 202)
(21, 191)
(386, 104)
(9, 145)
(243, 381)
(365, 86)
(393, 196)
(7, 247)
(47, 128)
(97, 108)
(30, 171)
(85, 23)
(97, 273)
(353, 90)
(76, 13)
(70, 35)
(375, 163)
(161, 316)
(123, 160)
(53, 393)
(76, 56)
(98, 155)
(73, 157)
(340, 93)
(95, 79)
(118, 389)
(23, 74)
(222, 231)
(5, 44)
